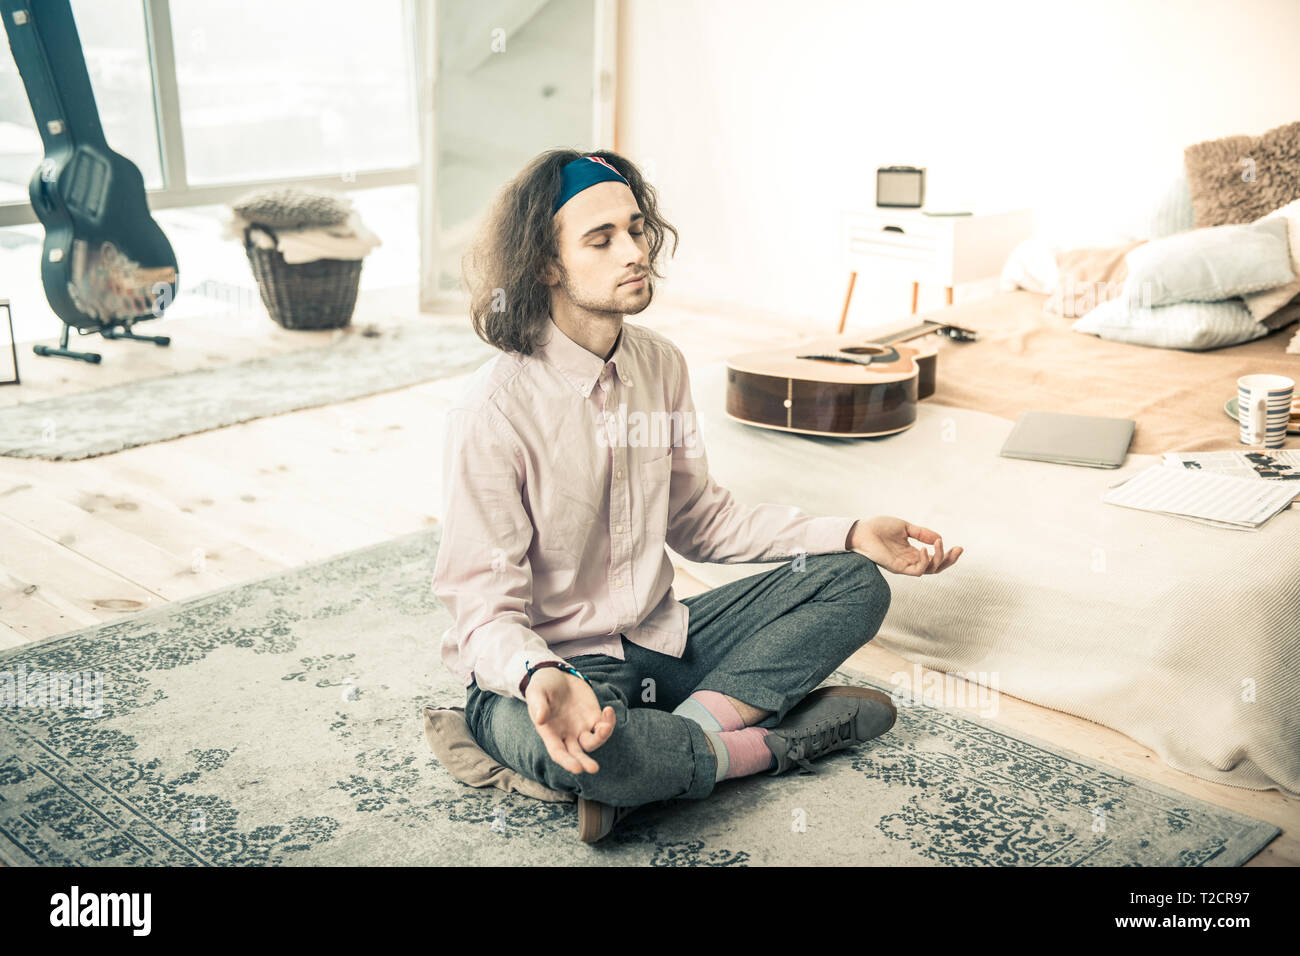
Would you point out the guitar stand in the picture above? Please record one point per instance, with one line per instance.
(108, 331)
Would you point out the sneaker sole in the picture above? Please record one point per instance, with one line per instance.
(595, 820)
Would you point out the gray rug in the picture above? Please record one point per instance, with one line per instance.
(94, 423)
(280, 723)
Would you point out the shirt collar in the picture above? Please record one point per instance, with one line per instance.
(575, 363)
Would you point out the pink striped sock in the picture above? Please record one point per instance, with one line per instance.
(745, 752)
(711, 710)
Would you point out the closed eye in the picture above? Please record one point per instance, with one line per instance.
(602, 245)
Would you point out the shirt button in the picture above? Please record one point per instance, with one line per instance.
(619, 473)
(618, 529)
(618, 582)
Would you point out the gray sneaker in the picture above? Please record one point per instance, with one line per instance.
(828, 719)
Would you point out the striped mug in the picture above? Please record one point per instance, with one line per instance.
(1264, 408)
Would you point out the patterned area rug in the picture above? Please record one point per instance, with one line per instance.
(280, 722)
(88, 424)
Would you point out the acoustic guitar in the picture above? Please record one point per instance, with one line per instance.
(105, 262)
(846, 386)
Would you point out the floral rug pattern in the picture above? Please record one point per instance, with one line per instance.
(280, 722)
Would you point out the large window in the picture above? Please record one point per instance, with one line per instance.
(208, 99)
(293, 88)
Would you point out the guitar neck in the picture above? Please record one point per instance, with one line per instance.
(47, 50)
(909, 333)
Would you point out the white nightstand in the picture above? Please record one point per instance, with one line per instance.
(947, 250)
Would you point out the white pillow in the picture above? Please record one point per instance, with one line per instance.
(1181, 325)
(1169, 214)
(1265, 303)
(1210, 264)
(1032, 266)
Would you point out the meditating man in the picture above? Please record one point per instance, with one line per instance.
(571, 459)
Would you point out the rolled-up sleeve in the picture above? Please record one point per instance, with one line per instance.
(482, 573)
(707, 524)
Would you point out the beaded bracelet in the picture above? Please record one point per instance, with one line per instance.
(523, 684)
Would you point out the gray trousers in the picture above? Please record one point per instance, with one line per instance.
(767, 640)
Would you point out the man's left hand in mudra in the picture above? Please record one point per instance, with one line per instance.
(884, 539)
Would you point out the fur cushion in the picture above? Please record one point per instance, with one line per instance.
(1242, 178)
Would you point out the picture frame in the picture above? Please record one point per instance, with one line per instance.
(13, 348)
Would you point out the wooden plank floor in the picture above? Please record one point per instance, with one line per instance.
(83, 542)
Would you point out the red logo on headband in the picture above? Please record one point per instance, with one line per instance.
(605, 163)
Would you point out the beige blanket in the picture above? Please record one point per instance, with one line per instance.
(1183, 636)
(1027, 359)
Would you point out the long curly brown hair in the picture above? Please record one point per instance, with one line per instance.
(509, 303)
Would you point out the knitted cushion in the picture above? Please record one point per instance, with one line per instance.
(293, 207)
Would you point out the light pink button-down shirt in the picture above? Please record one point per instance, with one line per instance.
(564, 476)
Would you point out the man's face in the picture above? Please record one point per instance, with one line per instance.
(602, 245)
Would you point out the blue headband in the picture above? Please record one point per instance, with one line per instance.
(583, 172)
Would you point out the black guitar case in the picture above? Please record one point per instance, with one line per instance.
(105, 264)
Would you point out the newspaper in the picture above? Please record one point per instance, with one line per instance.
(1273, 464)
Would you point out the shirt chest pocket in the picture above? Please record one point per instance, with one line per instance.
(656, 481)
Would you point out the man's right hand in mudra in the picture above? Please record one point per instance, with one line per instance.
(567, 715)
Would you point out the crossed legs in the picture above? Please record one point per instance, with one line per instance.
(764, 642)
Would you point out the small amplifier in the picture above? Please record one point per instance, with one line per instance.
(900, 186)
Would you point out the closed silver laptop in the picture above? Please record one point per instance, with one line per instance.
(1089, 440)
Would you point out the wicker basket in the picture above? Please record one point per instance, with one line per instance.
(307, 295)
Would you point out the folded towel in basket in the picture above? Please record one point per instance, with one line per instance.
(348, 240)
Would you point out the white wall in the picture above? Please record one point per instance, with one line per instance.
(759, 120)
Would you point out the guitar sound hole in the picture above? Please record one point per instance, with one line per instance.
(864, 350)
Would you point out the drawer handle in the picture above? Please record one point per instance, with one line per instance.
(892, 229)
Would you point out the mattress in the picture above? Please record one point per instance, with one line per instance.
(1181, 635)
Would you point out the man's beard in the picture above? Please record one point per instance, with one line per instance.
(608, 306)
